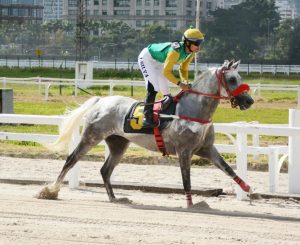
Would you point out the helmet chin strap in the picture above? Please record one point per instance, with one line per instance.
(188, 45)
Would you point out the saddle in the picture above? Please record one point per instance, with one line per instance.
(134, 117)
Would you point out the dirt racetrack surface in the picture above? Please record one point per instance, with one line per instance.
(85, 216)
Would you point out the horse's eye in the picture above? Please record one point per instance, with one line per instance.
(232, 80)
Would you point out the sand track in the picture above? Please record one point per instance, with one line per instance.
(85, 216)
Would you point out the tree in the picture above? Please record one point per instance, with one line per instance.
(235, 32)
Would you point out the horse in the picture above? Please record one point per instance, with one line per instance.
(190, 133)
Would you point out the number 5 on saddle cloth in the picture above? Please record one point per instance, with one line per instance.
(134, 117)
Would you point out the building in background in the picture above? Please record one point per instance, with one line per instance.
(226, 4)
(20, 11)
(297, 8)
(176, 14)
(52, 9)
(286, 9)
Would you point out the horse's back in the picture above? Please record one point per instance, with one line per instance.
(110, 112)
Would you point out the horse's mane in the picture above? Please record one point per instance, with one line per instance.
(203, 75)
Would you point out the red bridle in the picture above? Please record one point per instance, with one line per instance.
(221, 82)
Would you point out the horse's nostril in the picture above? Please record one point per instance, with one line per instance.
(250, 101)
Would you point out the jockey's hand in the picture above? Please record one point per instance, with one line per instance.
(185, 86)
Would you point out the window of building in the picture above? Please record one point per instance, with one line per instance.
(148, 22)
(121, 12)
(208, 5)
(138, 12)
(104, 2)
(5, 11)
(147, 2)
(156, 12)
(104, 12)
(147, 12)
(121, 3)
(72, 3)
(170, 12)
(189, 3)
(96, 12)
(138, 23)
(138, 2)
(171, 3)
(72, 12)
(96, 2)
(156, 3)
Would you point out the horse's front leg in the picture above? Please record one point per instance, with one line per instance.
(212, 154)
(185, 166)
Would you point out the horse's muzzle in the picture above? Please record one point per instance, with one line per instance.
(244, 101)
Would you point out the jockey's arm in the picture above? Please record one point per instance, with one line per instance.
(184, 68)
(169, 63)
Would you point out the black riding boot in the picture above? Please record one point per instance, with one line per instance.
(148, 110)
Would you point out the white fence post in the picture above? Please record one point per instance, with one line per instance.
(294, 153)
(73, 175)
(47, 87)
(255, 142)
(111, 87)
(40, 84)
(273, 168)
(4, 82)
(298, 97)
(241, 163)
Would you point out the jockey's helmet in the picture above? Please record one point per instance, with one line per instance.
(193, 36)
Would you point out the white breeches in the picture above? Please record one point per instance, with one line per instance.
(153, 72)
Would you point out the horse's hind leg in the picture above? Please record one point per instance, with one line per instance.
(51, 191)
(212, 154)
(117, 147)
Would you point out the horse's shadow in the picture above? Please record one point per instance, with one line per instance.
(200, 209)
(215, 212)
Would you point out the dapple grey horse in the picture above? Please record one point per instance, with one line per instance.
(184, 136)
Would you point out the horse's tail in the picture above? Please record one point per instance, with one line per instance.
(72, 121)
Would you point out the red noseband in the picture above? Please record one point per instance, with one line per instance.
(244, 87)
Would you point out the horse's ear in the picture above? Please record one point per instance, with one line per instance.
(236, 64)
(226, 64)
(230, 64)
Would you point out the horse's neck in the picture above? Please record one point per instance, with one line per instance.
(207, 83)
(199, 106)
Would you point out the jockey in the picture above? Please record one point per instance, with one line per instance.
(156, 63)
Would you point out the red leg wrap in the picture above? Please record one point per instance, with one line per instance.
(245, 187)
(189, 200)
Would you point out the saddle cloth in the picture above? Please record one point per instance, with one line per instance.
(134, 117)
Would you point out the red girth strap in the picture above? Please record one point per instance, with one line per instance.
(159, 141)
(157, 135)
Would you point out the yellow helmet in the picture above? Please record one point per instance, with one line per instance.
(193, 34)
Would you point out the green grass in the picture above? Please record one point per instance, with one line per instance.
(267, 116)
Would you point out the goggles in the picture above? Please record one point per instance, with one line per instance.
(196, 43)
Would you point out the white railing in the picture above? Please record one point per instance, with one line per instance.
(47, 82)
(239, 146)
(248, 68)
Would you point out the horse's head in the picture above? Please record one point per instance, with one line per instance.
(233, 86)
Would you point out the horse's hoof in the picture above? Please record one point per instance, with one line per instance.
(123, 200)
(47, 193)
